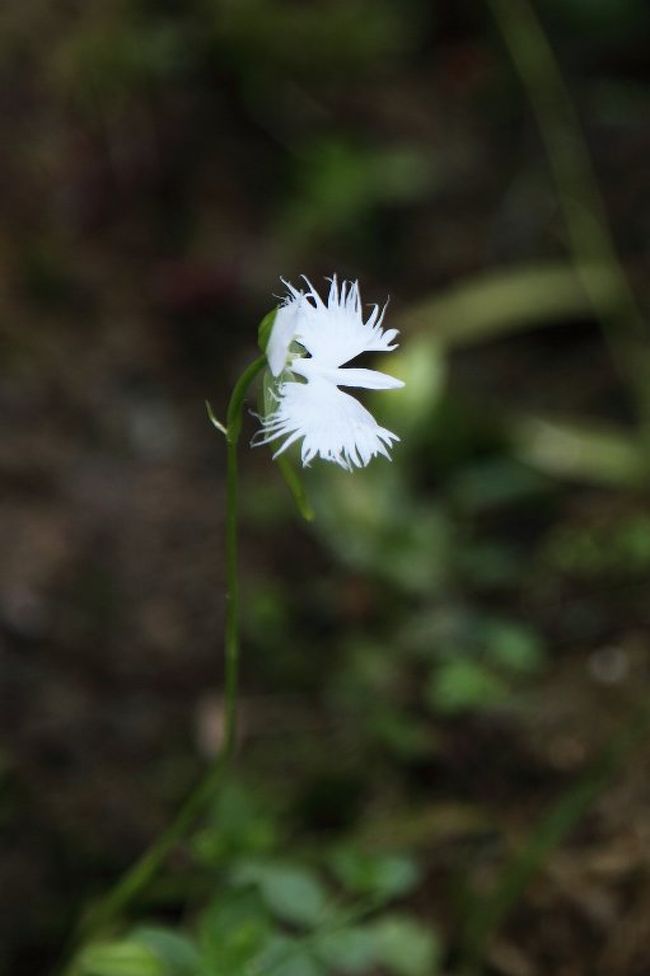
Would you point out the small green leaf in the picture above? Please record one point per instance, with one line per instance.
(233, 931)
(178, 953)
(264, 330)
(405, 947)
(285, 956)
(293, 894)
(386, 876)
(513, 646)
(352, 950)
(460, 684)
(240, 825)
(127, 958)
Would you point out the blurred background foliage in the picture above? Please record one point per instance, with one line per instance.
(442, 767)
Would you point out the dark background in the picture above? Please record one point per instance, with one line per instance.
(454, 640)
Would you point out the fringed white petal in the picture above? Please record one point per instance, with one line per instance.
(336, 333)
(334, 426)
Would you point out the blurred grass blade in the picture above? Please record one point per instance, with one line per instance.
(415, 829)
(585, 215)
(487, 912)
(584, 453)
(496, 304)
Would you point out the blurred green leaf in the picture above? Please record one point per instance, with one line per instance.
(374, 525)
(233, 932)
(292, 893)
(499, 303)
(462, 684)
(285, 956)
(384, 876)
(513, 646)
(178, 953)
(405, 947)
(240, 824)
(126, 958)
(580, 452)
(340, 183)
(351, 950)
(421, 364)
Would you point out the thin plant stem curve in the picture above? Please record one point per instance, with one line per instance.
(133, 882)
(233, 428)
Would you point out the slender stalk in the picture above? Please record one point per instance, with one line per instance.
(136, 879)
(579, 195)
(141, 874)
(233, 426)
(232, 606)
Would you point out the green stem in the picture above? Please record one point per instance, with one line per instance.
(141, 874)
(233, 425)
(584, 211)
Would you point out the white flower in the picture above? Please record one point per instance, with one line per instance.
(334, 426)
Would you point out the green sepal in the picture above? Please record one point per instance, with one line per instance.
(268, 401)
(264, 330)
